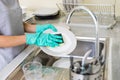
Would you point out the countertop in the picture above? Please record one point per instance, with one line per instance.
(113, 34)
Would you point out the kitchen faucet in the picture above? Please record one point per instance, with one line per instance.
(82, 8)
(86, 71)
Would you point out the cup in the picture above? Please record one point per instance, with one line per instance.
(32, 71)
(49, 74)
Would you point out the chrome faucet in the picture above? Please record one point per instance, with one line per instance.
(95, 68)
(79, 8)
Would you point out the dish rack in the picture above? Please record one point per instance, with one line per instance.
(104, 12)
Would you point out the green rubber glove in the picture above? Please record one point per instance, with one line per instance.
(43, 39)
(42, 28)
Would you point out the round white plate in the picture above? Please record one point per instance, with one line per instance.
(65, 48)
(46, 11)
(63, 63)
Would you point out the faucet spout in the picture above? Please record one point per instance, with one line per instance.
(79, 8)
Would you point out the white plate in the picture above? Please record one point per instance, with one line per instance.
(65, 48)
(46, 11)
(63, 63)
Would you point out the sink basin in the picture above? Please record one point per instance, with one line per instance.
(83, 45)
(86, 43)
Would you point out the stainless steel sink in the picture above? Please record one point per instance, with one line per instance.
(86, 43)
(83, 45)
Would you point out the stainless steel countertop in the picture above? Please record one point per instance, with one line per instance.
(113, 34)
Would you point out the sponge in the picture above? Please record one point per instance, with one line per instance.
(62, 39)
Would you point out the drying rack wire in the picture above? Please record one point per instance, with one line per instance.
(104, 12)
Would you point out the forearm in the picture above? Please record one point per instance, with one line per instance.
(29, 27)
(11, 41)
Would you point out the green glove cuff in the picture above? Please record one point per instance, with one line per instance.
(31, 38)
(42, 28)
